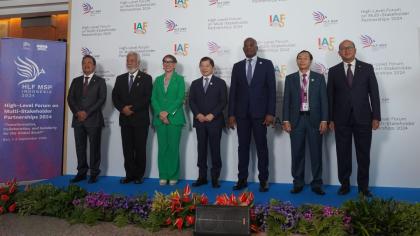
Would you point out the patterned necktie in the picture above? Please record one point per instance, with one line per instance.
(349, 75)
(85, 86)
(303, 93)
(130, 82)
(206, 84)
(249, 71)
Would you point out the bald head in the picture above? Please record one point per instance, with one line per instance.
(250, 47)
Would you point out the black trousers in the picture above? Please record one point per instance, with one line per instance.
(246, 127)
(81, 135)
(209, 135)
(362, 134)
(134, 139)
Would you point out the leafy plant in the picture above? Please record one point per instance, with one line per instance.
(377, 216)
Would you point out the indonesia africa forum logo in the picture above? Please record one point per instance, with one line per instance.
(181, 49)
(140, 27)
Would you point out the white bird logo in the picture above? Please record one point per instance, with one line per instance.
(27, 69)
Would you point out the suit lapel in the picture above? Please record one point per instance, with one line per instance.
(242, 70)
(136, 81)
(357, 71)
(312, 88)
(256, 70)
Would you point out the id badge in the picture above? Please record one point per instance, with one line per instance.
(305, 106)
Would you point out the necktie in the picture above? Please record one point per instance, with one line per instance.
(130, 82)
(85, 86)
(249, 71)
(349, 75)
(206, 84)
(303, 93)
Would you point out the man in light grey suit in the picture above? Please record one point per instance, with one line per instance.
(305, 116)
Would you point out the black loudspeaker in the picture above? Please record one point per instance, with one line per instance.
(222, 220)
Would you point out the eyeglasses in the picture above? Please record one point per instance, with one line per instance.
(346, 48)
(168, 62)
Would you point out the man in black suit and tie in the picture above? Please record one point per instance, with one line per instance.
(87, 95)
(131, 97)
(207, 99)
(252, 106)
(354, 108)
(305, 117)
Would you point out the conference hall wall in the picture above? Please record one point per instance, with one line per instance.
(386, 34)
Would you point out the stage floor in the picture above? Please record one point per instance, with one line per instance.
(111, 185)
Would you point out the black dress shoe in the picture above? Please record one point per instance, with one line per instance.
(78, 178)
(365, 192)
(199, 182)
(343, 190)
(318, 190)
(138, 181)
(93, 179)
(296, 189)
(241, 184)
(215, 183)
(263, 186)
(125, 180)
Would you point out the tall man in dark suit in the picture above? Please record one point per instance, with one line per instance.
(131, 97)
(354, 108)
(207, 99)
(305, 117)
(87, 95)
(252, 105)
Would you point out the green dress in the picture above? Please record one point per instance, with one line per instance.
(169, 136)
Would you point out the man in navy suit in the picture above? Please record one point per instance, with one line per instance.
(252, 105)
(131, 97)
(354, 108)
(305, 116)
(207, 99)
(87, 95)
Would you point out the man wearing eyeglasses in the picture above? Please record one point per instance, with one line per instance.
(354, 108)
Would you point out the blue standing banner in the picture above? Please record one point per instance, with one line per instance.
(32, 85)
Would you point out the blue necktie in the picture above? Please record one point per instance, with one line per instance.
(249, 72)
(130, 83)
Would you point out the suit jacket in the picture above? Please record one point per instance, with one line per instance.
(171, 101)
(362, 98)
(139, 97)
(213, 101)
(91, 103)
(318, 102)
(257, 99)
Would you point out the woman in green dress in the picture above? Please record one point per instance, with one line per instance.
(167, 102)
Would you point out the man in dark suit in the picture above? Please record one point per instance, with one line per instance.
(131, 97)
(207, 99)
(252, 105)
(87, 95)
(354, 108)
(305, 116)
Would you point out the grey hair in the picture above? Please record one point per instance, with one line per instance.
(133, 53)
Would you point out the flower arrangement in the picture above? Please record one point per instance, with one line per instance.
(7, 197)
(177, 210)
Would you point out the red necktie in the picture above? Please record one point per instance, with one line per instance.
(349, 75)
(85, 86)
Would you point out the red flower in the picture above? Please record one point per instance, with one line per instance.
(192, 208)
(168, 221)
(1, 210)
(2, 190)
(190, 220)
(232, 200)
(186, 199)
(4, 198)
(179, 222)
(12, 207)
(12, 189)
(204, 200)
(187, 191)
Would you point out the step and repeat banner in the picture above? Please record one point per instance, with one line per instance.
(32, 83)
(386, 34)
